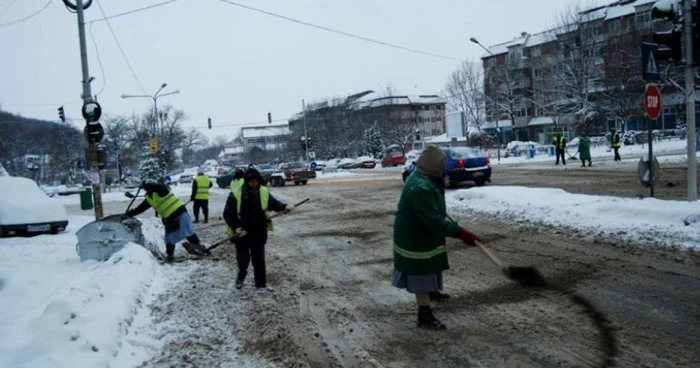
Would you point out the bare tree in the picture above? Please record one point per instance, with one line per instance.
(118, 134)
(193, 141)
(573, 73)
(465, 90)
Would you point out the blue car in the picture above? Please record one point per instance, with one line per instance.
(462, 165)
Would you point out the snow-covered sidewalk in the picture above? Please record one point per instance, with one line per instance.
(60, 312)
(646, 220)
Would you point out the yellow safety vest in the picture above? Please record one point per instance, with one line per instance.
(235, 184)
(264, 201)
(558, 141)
(615, 140)
(202, 187)
(164, 206)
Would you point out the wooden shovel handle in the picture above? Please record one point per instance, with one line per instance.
(488, 253)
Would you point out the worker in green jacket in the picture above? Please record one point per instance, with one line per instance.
(584, 150)
(420, 229)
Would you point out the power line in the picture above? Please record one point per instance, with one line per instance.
(27, 17)
(126, 59)
(235, 125)
(340, 32)
(7, 7)
(99, 61)
(131, 11)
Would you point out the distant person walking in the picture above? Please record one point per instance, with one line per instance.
(584, 150)
(200, 195)
(615, 143)
(560, 147)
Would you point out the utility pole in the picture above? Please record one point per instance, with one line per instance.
(306, 137)
(87, 98)
(690, 100)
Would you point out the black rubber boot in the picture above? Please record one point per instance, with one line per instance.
(427, 320)
(239, 283)
(170, 252)
(439, 296)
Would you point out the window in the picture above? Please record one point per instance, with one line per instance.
(536, 51)
(630, 24)
(598, 30)
(439, 118)
(539, 111)
(614, 26)
(537, 73)
(643, 18)
(492, 61)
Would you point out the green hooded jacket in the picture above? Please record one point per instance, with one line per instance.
(420, 227)
(584, 148)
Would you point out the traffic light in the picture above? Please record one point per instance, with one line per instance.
(209, 122)
(669, 43)
(417, 134)
(61, 114)
(269, 118)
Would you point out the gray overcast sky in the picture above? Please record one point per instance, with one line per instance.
(235, 65)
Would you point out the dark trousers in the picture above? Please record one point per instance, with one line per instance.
(170, 248)
(252, 248)
(204, 205)
(583, 161)
(617, 154)
(560, 153)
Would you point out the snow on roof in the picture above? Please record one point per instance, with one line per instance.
(611, 11)
(443, 139)
(541, 120)
(501, 124)
(264, 131)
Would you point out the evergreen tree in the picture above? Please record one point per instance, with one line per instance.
(149, 167)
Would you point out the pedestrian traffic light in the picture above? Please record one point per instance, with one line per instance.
(209, 122)
(61, 114)
(94, 132)
(269, 118)
(669, 43)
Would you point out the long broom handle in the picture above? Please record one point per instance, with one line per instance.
(488, 253)
(224, 240)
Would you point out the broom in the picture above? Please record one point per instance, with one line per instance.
(525, 276)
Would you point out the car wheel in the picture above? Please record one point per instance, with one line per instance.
(54, 231)
(303, 182)
(447, 181)
(296, 183)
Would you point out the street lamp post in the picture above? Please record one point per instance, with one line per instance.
(495, 100)
(154, 97)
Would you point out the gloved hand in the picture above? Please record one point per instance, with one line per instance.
(239, 232)
(467, 237)
(289, 208)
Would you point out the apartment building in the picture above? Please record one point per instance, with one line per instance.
(583, 75)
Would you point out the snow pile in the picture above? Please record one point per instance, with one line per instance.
(632, 219)
(521, 145)
(22, 202)
(338, 174)
(60, 312)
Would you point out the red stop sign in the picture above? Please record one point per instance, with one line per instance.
(652, 101)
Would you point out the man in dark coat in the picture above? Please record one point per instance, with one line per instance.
(247, 217)
(420, 228)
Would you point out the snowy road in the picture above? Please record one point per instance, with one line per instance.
(333, 305)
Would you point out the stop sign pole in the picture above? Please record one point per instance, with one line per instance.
(652, 105)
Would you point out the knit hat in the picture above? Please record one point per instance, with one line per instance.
(432, 162)
(251, 173)
(200, 171)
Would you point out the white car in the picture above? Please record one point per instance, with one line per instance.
(27, 210)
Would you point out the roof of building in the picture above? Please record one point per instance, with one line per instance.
(613, 10)
(264, 131)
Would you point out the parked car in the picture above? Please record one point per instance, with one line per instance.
(462, 165)
(393, 156)
(366, 164)
(297, 172)
(26, 210)
(224, 180)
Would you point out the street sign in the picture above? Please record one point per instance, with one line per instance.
(652, 101)
(650, 68)
(154, 145)
(313, 164)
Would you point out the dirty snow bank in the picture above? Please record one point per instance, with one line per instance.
(644, 220)
(60, 312)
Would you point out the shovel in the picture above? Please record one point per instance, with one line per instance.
(525, 276)
(226, 239)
